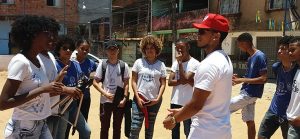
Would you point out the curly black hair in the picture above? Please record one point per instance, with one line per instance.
(295, 40)
(81, 41)
(62, 40)
(245, 37)
(285, 40)
(25, 29)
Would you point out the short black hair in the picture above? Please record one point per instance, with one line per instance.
(63, 39)
(285, 40)
(223, 36)
(80, 41)
(25, 29)
(245, 37)
(295, 40)
(183, 40)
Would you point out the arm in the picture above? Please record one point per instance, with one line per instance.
(172, 81)
(9, 100)
(194, 106)
(126, 93)
(98, 85)
(259, 80)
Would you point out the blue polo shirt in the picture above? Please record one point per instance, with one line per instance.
(88, 66)
(257, 64)
(73, 72)
(282, 96)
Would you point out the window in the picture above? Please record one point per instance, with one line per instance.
(276, 4)
(53, 3)
(7, 1)
(229, 7)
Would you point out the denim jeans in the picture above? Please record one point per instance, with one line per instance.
(27, 129)
(294, 132)
(138, 118)
(186, 123)
(106, 109)
(52, 123)
(82, 126)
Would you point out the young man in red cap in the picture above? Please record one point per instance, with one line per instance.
(209, 106)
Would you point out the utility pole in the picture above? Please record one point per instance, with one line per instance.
(174, 28)
(110, 19)
(64, 17)
(285, 20)
(149, 19)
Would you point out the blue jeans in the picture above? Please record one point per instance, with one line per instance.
(82, 127)
(52, 122)
(27, 129)
(186, 123)
(294, 132)
(138, 118)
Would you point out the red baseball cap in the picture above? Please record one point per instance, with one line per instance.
(213, 21)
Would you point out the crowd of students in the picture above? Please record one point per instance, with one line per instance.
(50, 69)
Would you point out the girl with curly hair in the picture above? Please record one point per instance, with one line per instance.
(148, 85)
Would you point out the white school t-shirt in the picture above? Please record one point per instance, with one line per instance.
(182, 94)
(21, 69)
(148, 83)
(112, 78)
(49, 67)
(293, 110)
(214, 74)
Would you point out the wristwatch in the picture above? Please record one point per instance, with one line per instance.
(173, 120)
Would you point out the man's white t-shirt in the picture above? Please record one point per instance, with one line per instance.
(214, 74)
(21, 69)
(182, 94)
(293, 110)
(112, 78)
(149, 75)
(49, 67)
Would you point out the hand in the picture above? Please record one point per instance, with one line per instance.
(72, 91)
(122, 103)
(168, 123)
(140, 102)
(152, 102)
(178, 56)
(109, 96)
(53, 87)
(236, 80)
(295, 122)
(62, 74)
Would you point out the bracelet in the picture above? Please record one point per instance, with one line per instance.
(173, 120)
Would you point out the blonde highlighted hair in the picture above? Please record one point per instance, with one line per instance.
(151, 40)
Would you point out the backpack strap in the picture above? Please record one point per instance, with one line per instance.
(122, 67)
(104, 66)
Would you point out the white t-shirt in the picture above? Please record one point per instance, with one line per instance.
(112, 78)
(293, 110)
(214, 74)
(148, 84)
(181, 94)
(49, 67)
(21, 69)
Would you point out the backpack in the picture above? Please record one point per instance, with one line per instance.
(104, 66)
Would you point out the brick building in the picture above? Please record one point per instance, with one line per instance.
(64, 11)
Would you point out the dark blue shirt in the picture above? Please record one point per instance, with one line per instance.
(73, 73)
(282, 96)
(88, 66)
(257, 64)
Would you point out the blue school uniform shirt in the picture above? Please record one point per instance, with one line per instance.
(257, 64)
(88, 66)
(282, 96)
(73, 72)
